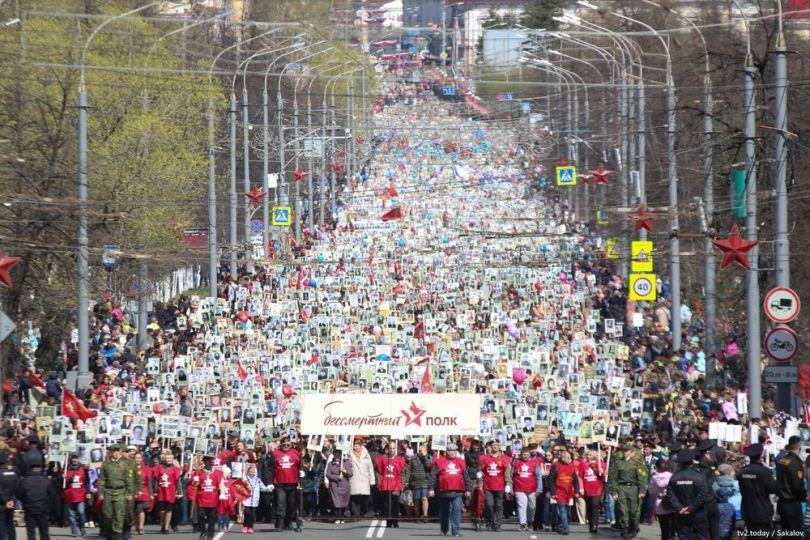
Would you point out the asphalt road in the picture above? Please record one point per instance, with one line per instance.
(315, 530)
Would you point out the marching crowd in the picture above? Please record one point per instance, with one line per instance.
(588, 415)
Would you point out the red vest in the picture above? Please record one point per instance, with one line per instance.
(494, 469)
(167, 478)
(287, 466)
(390, 470)
(451, 474)
(524, 479)
(75, 485)
(593, 483)
(208, 488)
(145, 495)
(564, 488)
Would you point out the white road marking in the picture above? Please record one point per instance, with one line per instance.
(369, 533)
(381, 530)
(220, 534)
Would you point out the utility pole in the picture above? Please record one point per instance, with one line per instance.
(213, 257)
(296, 194)
(709, 260)
(232, 189)
(333, 186)
(266, 172)
(322, 178)
(752, 303)
(782, 242)
(84, 263)
(312, 139)
(674, 241)
(246, 168)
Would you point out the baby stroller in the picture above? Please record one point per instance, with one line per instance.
(476, 508)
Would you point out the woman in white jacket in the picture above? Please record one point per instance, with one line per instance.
(363, 478)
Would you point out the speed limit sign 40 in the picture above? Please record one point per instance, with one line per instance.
(642, 287)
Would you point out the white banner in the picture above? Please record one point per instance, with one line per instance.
(396, 415)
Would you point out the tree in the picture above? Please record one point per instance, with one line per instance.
(541, 13)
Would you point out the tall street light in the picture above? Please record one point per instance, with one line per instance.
(83, 252)
(674, 242)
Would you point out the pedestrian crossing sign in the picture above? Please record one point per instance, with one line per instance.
(642, 256)
(567, 175)
(282, 216)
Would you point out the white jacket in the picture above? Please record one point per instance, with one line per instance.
(363, 477)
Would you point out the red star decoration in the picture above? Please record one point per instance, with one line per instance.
(300, 174)
(338, 167)
(561, 163)
(734, 249)
(360, 140)
(5, 265)
(255, 195)
(642, 219)
(600, 175)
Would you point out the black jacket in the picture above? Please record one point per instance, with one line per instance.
(756, 485)
(9, 482)
(37, 494)
(790, 478)
(688, 488)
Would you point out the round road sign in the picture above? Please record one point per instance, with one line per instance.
(782, 305)
(642, 286)
(781, 344)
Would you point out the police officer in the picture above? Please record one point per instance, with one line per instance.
(709, 468)
(9, 482)
(114, 490)
(688, 493)
(756, 485)
(627, 481)
(790, 479)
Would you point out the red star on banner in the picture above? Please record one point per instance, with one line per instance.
(642, 219)
(734, 249)
(300, 175)
(255, 195)
(5, 265)
(600, 175)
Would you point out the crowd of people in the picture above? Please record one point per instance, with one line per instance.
(448, 270)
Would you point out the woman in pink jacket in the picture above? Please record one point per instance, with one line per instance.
(658, 491)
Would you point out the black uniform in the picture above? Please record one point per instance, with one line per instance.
(790, 479)
(38, 498)
(756, 485)
(712, 511)
(9, 482)
(688, 488)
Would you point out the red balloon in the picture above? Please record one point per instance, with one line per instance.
(243, 316)
(157, 408)
(287, 390)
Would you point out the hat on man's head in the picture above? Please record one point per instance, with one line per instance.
(686, 456)
(33, 438)
(754, 451)
(706, 445)
(452, 446)
(114, 447)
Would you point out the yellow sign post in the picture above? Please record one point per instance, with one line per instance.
(642, 256)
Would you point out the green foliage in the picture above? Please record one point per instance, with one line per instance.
(541, 13)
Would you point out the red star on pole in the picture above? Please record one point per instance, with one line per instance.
(5, 265)
(300, 174)
(600, 175)
(338, 167)
(734, 249)
(642, 219)
(255, 195)
(562, 163)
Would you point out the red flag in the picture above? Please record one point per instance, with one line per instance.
(392, 191)
(35, 380)
(394, 213)
(419, 330)
(72, 407)
(241, 489)
(426, 385)
(313, 359)
(241, 372)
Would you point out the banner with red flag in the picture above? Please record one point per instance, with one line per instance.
(72, 407)
(35, 379)
(394, 213)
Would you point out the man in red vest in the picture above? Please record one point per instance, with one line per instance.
(564, 488)
(527, 480)
(207, 481)
(496, 472)
(74, 493)
(285, 478)
(449, 477)
(390, 472)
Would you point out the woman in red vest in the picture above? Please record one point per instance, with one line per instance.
(167, 475)
(390, 471)
(563, 488)
(145, 497)
(592, 473)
